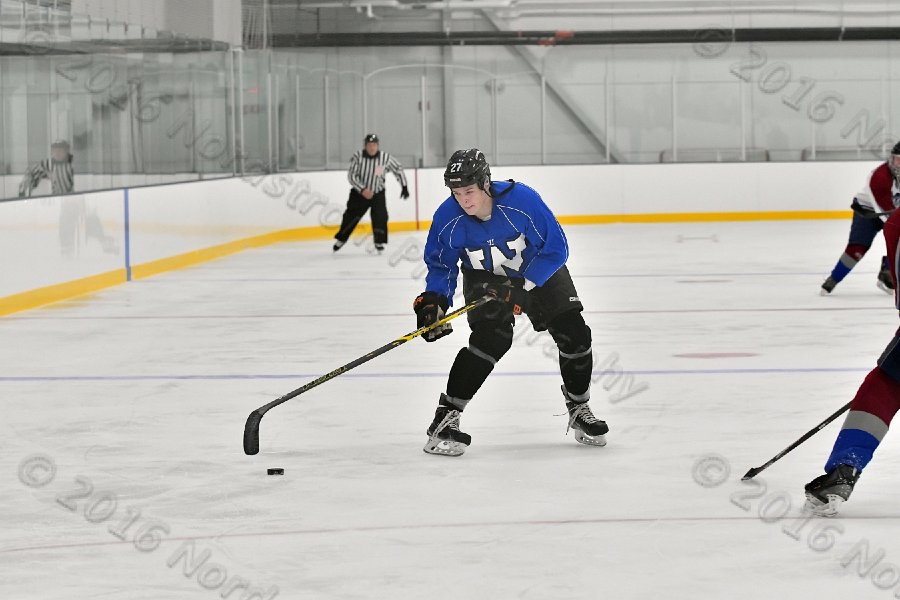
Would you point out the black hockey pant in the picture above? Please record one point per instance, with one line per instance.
(356, 210)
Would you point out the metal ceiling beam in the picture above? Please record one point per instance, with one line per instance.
(574, 38)
(663, 8)
(111, 47)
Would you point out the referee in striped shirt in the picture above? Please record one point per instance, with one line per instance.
(58, 169)
(366, 175)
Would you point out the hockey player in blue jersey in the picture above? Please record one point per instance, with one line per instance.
(509, 245)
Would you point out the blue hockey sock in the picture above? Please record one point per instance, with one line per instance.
(843, 266)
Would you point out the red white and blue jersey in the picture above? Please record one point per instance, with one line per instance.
(522, 239)
(881, 193)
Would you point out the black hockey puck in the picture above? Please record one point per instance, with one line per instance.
(275, 471)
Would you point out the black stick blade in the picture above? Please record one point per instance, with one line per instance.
(251, 433)
(751, 473)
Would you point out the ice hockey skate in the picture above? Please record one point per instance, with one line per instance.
(884, 281)
(827, 286)
(444, 436)
(589, 430)
(826, 493)
(338, 244)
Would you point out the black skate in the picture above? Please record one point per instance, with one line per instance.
(825, 493)
(379, 248)
(884, 281)
(828, 286)
(338, 244)
(589, 430)
(444, 436)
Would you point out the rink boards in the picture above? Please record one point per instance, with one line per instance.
(61, 247)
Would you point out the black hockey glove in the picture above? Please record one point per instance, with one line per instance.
(865, 212)
(507, 291)
(430, 308)
(404, 193)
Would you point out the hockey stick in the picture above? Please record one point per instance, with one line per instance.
(251, 428)
(868, 213)
(756, 471)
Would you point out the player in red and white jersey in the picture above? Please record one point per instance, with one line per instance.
(878, 398)
(871, 208)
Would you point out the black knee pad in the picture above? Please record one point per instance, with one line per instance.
(571, 334)
(493, 338)
(489, 341)
(466, 376)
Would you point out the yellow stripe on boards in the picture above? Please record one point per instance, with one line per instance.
(60, 291)
(786, 215)
(194, 257)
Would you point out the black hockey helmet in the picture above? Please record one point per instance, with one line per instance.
(895, 169)
(467, 167)
(370, 137)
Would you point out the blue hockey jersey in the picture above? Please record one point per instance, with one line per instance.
(522, 239)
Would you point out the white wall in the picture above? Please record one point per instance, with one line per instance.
(180, 218)
(207, 19)
(55, 240)
(677, 188)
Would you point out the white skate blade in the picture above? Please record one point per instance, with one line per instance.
(824, 292)
(444, 447)
(823, 509)
(884, 288)
(589, 440)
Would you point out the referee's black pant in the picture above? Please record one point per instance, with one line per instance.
(356, 209)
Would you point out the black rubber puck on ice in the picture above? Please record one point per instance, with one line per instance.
(275, 471)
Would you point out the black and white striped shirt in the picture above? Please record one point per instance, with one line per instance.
(369, 171)
(60, 173)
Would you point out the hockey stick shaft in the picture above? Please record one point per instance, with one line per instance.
(757, 470)
(251, 428)
(868, 213)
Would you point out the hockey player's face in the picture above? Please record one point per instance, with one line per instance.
(59, 154)
(371, 148)
(474, 200)
(894, 165)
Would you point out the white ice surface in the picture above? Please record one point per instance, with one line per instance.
(142, 391)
